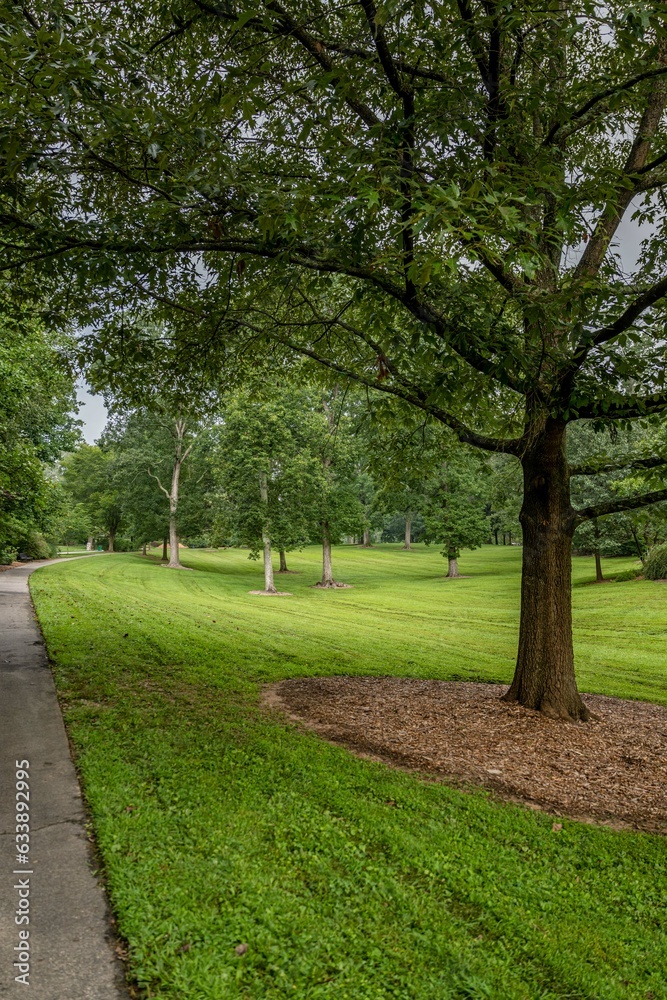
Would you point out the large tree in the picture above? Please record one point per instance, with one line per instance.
(464, 168)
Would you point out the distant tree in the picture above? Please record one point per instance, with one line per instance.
(266, 478)
(88, 480)
(336, 509)
(454, 508)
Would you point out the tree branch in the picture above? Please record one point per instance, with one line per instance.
(638, 463)
(157, 479)
(614, 210)
(641, 406)
(624, 321)
(597, 99)
(618, 506)
(508, 446)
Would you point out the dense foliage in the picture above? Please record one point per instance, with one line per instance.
(655, 567)
(37, 423)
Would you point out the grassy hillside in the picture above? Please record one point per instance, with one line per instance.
(220, 826)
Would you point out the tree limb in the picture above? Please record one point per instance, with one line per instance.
(597, 99)
(639, 463)
(618, 506)
(622, 323)
(509, 446)
(614, 210)
(641, 406)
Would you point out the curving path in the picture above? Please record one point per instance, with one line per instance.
(71, 942)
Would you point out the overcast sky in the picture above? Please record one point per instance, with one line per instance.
(92, 411)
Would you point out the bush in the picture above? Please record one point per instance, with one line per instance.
(656, 563)
(35, 546)
(628, 574)
(200, 542)
(7, 556)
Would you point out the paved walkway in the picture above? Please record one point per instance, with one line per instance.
(70, 950)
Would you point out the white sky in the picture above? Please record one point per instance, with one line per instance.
(92, 412)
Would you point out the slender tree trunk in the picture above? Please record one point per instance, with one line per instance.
(452, 557)
(544, 677)
(165, 557)
(510, 537)
(89, 544)
(640, 551)
(598, 567)
(327, 568)
(408, 532)
(174, 555)
(496, 535)
(269, 585)
(112, 539)
(367, 544)
(283, 562)
(143, 549)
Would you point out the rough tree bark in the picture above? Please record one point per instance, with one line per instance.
(327, 568)
(112, 539)
(165, 555)
(283, 562)
(598, 567)
(367, 544)
(143, 549)
(89, 544)
(453, 560)
(408, 532)
(544, 676)
(269, 585)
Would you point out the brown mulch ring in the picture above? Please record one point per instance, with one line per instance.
(611, 770)
(12, 565)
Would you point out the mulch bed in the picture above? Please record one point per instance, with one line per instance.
(611, 770)
(13, 565)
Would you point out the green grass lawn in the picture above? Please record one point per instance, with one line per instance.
(219, 825)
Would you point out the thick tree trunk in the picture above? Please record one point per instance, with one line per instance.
(283, 562)
(143, 549)
(164, 549)
(327, 568)
(598, 567)
(544, 677)
(408, 532)
(269, 585)
(453, 570)
(112, 539)
(367, 544)
(89, 544)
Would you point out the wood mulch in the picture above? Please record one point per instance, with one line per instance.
(612, 769)
(12, 565)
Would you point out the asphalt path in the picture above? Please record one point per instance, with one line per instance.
(54, 918)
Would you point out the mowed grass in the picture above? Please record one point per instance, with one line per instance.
(219, 825)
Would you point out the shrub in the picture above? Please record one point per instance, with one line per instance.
(35, 546)
(7, 556)
(628, 574)
(656, 563)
